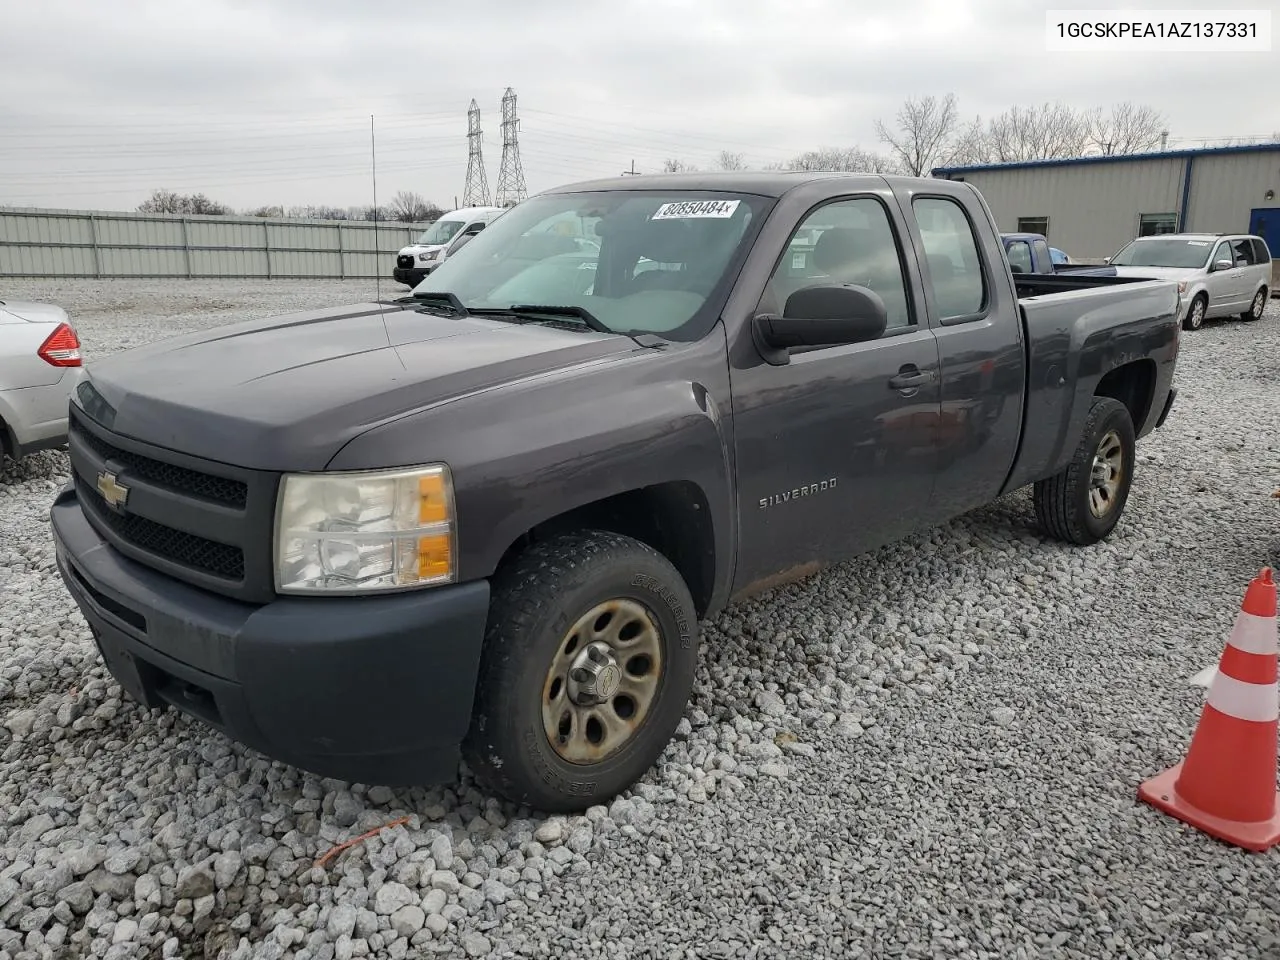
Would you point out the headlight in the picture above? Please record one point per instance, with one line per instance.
(365, 531)
(429, 255)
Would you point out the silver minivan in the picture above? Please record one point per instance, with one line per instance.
(1218, 274)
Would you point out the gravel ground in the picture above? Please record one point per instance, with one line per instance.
(932, 752)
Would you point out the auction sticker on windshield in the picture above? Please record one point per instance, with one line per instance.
(688, 209)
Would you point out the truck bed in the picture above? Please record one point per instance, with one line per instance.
(1077, 329)
(1039, 284)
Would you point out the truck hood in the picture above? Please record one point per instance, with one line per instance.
(34, 312)
(417, 248)
(1158, 273)
(287, 393)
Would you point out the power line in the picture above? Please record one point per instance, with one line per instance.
(511, 186)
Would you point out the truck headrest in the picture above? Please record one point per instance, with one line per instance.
(839, 246)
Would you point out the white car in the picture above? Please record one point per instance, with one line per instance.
(1219, 275)
(40, 365)
(441, 240)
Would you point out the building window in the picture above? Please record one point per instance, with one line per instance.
(1154, 224)
(1038, 225)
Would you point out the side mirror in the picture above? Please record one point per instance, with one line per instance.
(1223, 265)
(1106, 259)
(461, 242)
(825, 315)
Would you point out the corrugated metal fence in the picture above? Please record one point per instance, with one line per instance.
(80, 243)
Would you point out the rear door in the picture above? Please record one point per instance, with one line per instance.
(1247, 267)
(973, 309)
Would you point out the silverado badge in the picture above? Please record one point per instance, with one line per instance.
(113, 492)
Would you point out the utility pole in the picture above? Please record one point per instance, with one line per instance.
(632, 172)
(511, 186)
(476, 191)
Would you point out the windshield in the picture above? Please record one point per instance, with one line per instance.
(639, 261)
(1164, 252)
(442, 231)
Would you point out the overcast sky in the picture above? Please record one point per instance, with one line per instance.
(256, 102)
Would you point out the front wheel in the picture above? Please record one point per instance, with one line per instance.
(1255, 309)
(587, 667)
(1083, 503)
(1194, 319)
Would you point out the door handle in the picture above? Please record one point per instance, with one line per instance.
(908, 378)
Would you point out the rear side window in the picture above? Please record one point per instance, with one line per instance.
(1260, 252)
(1042, 251)
(951, 252)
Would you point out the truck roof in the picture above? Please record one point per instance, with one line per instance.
(765, 184)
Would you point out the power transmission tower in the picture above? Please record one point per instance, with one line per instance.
(511, 187)
(476, 192)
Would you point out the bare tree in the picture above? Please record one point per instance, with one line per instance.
(409, 207)
(846, 159)
(674, 165)
(312, 212)
(1044, 132)
(167, 201)
(728, 160)
(276, 212)
(972, 144)
(923, 135)
(1128, 128)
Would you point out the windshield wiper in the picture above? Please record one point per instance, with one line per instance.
(564, 310)
(442, 298)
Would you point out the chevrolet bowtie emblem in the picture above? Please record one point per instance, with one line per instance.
(114, 493)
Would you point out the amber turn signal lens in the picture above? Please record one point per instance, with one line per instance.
(432, 504)
(435, 556)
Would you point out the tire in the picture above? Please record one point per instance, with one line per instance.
(1064, 503)
(1194, 319)
(1257, 307)
(517, 745)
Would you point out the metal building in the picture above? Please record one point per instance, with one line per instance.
(1092, 206)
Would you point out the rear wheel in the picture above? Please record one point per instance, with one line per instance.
(587, 667)
(1083, 503)
(1194, 319)
(1255, 309)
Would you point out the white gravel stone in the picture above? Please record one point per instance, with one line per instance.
(922, 826)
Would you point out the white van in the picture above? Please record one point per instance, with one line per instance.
(440, 240)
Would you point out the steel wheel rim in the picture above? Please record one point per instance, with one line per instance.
(1259, 304)
(1106, 474)
(602, 681)
(1197, 314)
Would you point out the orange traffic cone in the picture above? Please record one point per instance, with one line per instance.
(1226, 786)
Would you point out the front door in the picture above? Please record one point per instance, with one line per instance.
(836, 449)
(1222, 285)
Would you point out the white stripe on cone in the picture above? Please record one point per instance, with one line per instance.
(1258, 702)
(1253, 634)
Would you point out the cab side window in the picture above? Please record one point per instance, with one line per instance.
(951, 254)
(1020, 257)
(849, 242)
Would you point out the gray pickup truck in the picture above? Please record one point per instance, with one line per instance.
(485, 521)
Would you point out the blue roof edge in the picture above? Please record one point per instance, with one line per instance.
(1125, 158)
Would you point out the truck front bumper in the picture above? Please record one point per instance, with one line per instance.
(410, 275)
(376, 690)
